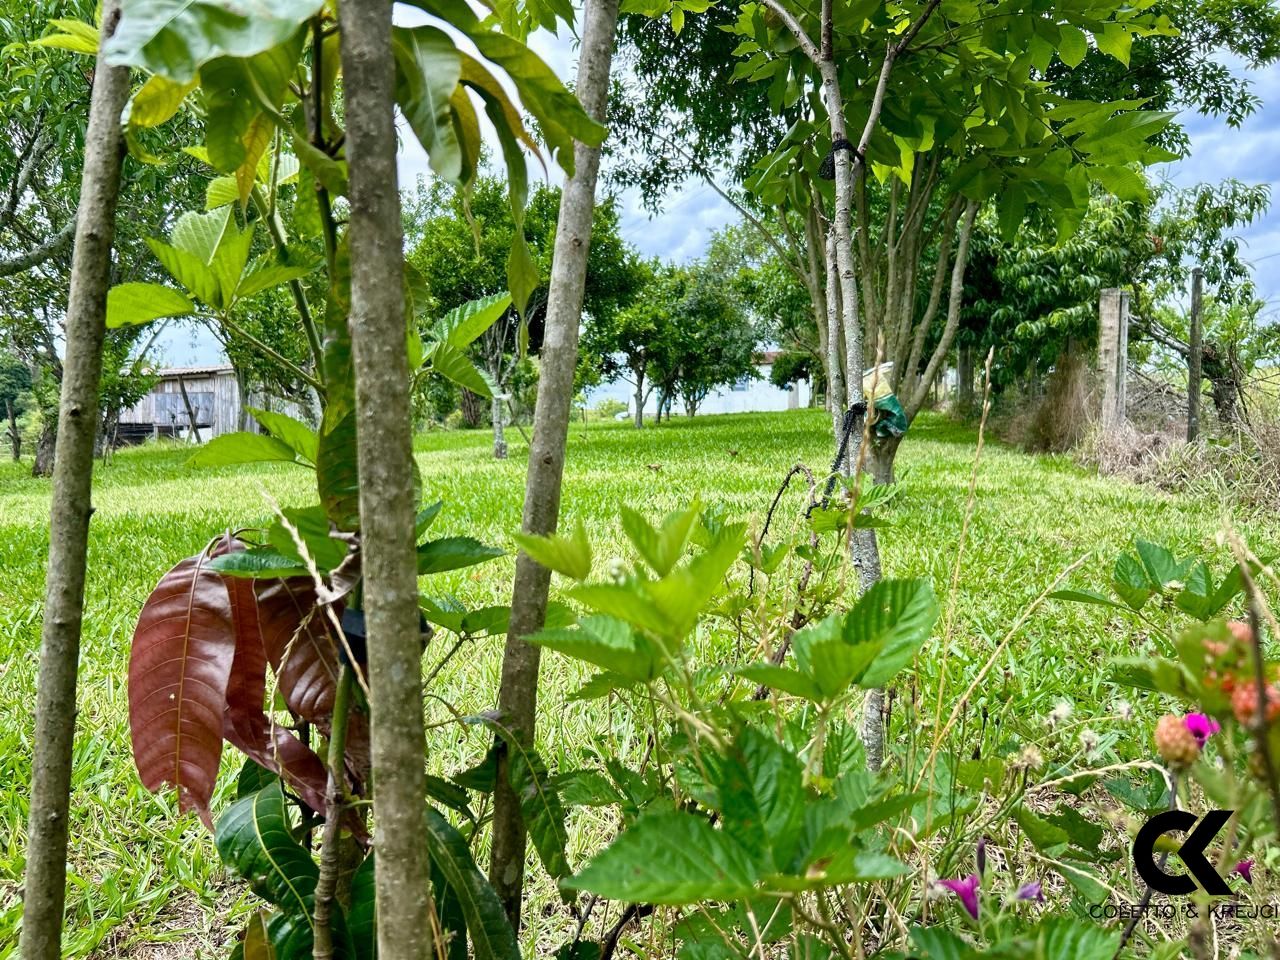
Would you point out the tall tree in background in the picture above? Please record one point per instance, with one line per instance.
(518, 696)
(459, 245)
(71, 507)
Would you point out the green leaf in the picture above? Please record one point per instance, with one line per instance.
(220, 192)
(267, 273)
(129, 304)
(1086, 596)
(1161, 567)
(1114, 40)
(259, 563)
(487, 925)
(254, 839)
(829, 661)
(1065, 938)
(452, 364)
(452, 553)
(361, 917)
(606, 642)
(239, 447)
(1044, 836)
(463, 324)
(938, 943)
(336, 474)
(296, 434)
(74, 35)
(1130, 582)
(188, 269)
(311, 524)
(899, 614)
(157, 101)
(175, 37)
(428, 68)
(200, 234)
(669, 857)
(1072, 44)
(569, 556)
(781, 678)
(540, 805)
(661, 550)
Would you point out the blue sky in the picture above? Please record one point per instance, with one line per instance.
(689, 217)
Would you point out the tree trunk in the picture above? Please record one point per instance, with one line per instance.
(46, 860)
(46, 449)
(15, 435)
(640, 395)
(469, 404)
(499, 437)
(880, 459)
(964, 380)
(518, 698)
(386, 479)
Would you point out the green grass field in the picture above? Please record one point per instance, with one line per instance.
(147, 884)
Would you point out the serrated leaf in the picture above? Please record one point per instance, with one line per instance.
(267, 273)
(569, 556)
(669, 857)
(452, 364)
(606, 642)
(463, 324)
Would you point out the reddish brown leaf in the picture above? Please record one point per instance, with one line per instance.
(246, 724)
(179, 667)
(300, 646)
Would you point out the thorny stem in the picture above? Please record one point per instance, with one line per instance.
(335, 807)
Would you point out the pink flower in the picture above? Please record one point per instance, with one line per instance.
(966, 890)
(1030, 891)
(1245, 869)
(1201, 727)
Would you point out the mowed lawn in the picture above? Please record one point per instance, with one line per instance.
(145, 883)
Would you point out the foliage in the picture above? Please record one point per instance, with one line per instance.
(686, 334)
(153, 510)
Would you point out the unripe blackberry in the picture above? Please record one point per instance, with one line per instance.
(1176, 744)
(1244, 702)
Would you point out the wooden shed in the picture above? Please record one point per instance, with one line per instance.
(212, 394)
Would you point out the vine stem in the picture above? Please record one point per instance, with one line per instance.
(334, 808)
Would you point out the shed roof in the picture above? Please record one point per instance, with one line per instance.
(170, 373)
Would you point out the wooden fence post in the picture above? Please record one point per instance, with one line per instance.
(1194, 357)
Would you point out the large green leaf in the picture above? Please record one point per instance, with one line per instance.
(299, 437)
(428, 68)
(661, 549)
(189, 270)
(452, 364)
(831, 662)
(241, 447)
(669, 857)
(267, 273)
(362, 915)
(255, 840)
(175, 37)
(337, 475)
(200, 234)
(491, 935)
(129, 304)
(463, 324)
(157, 101)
